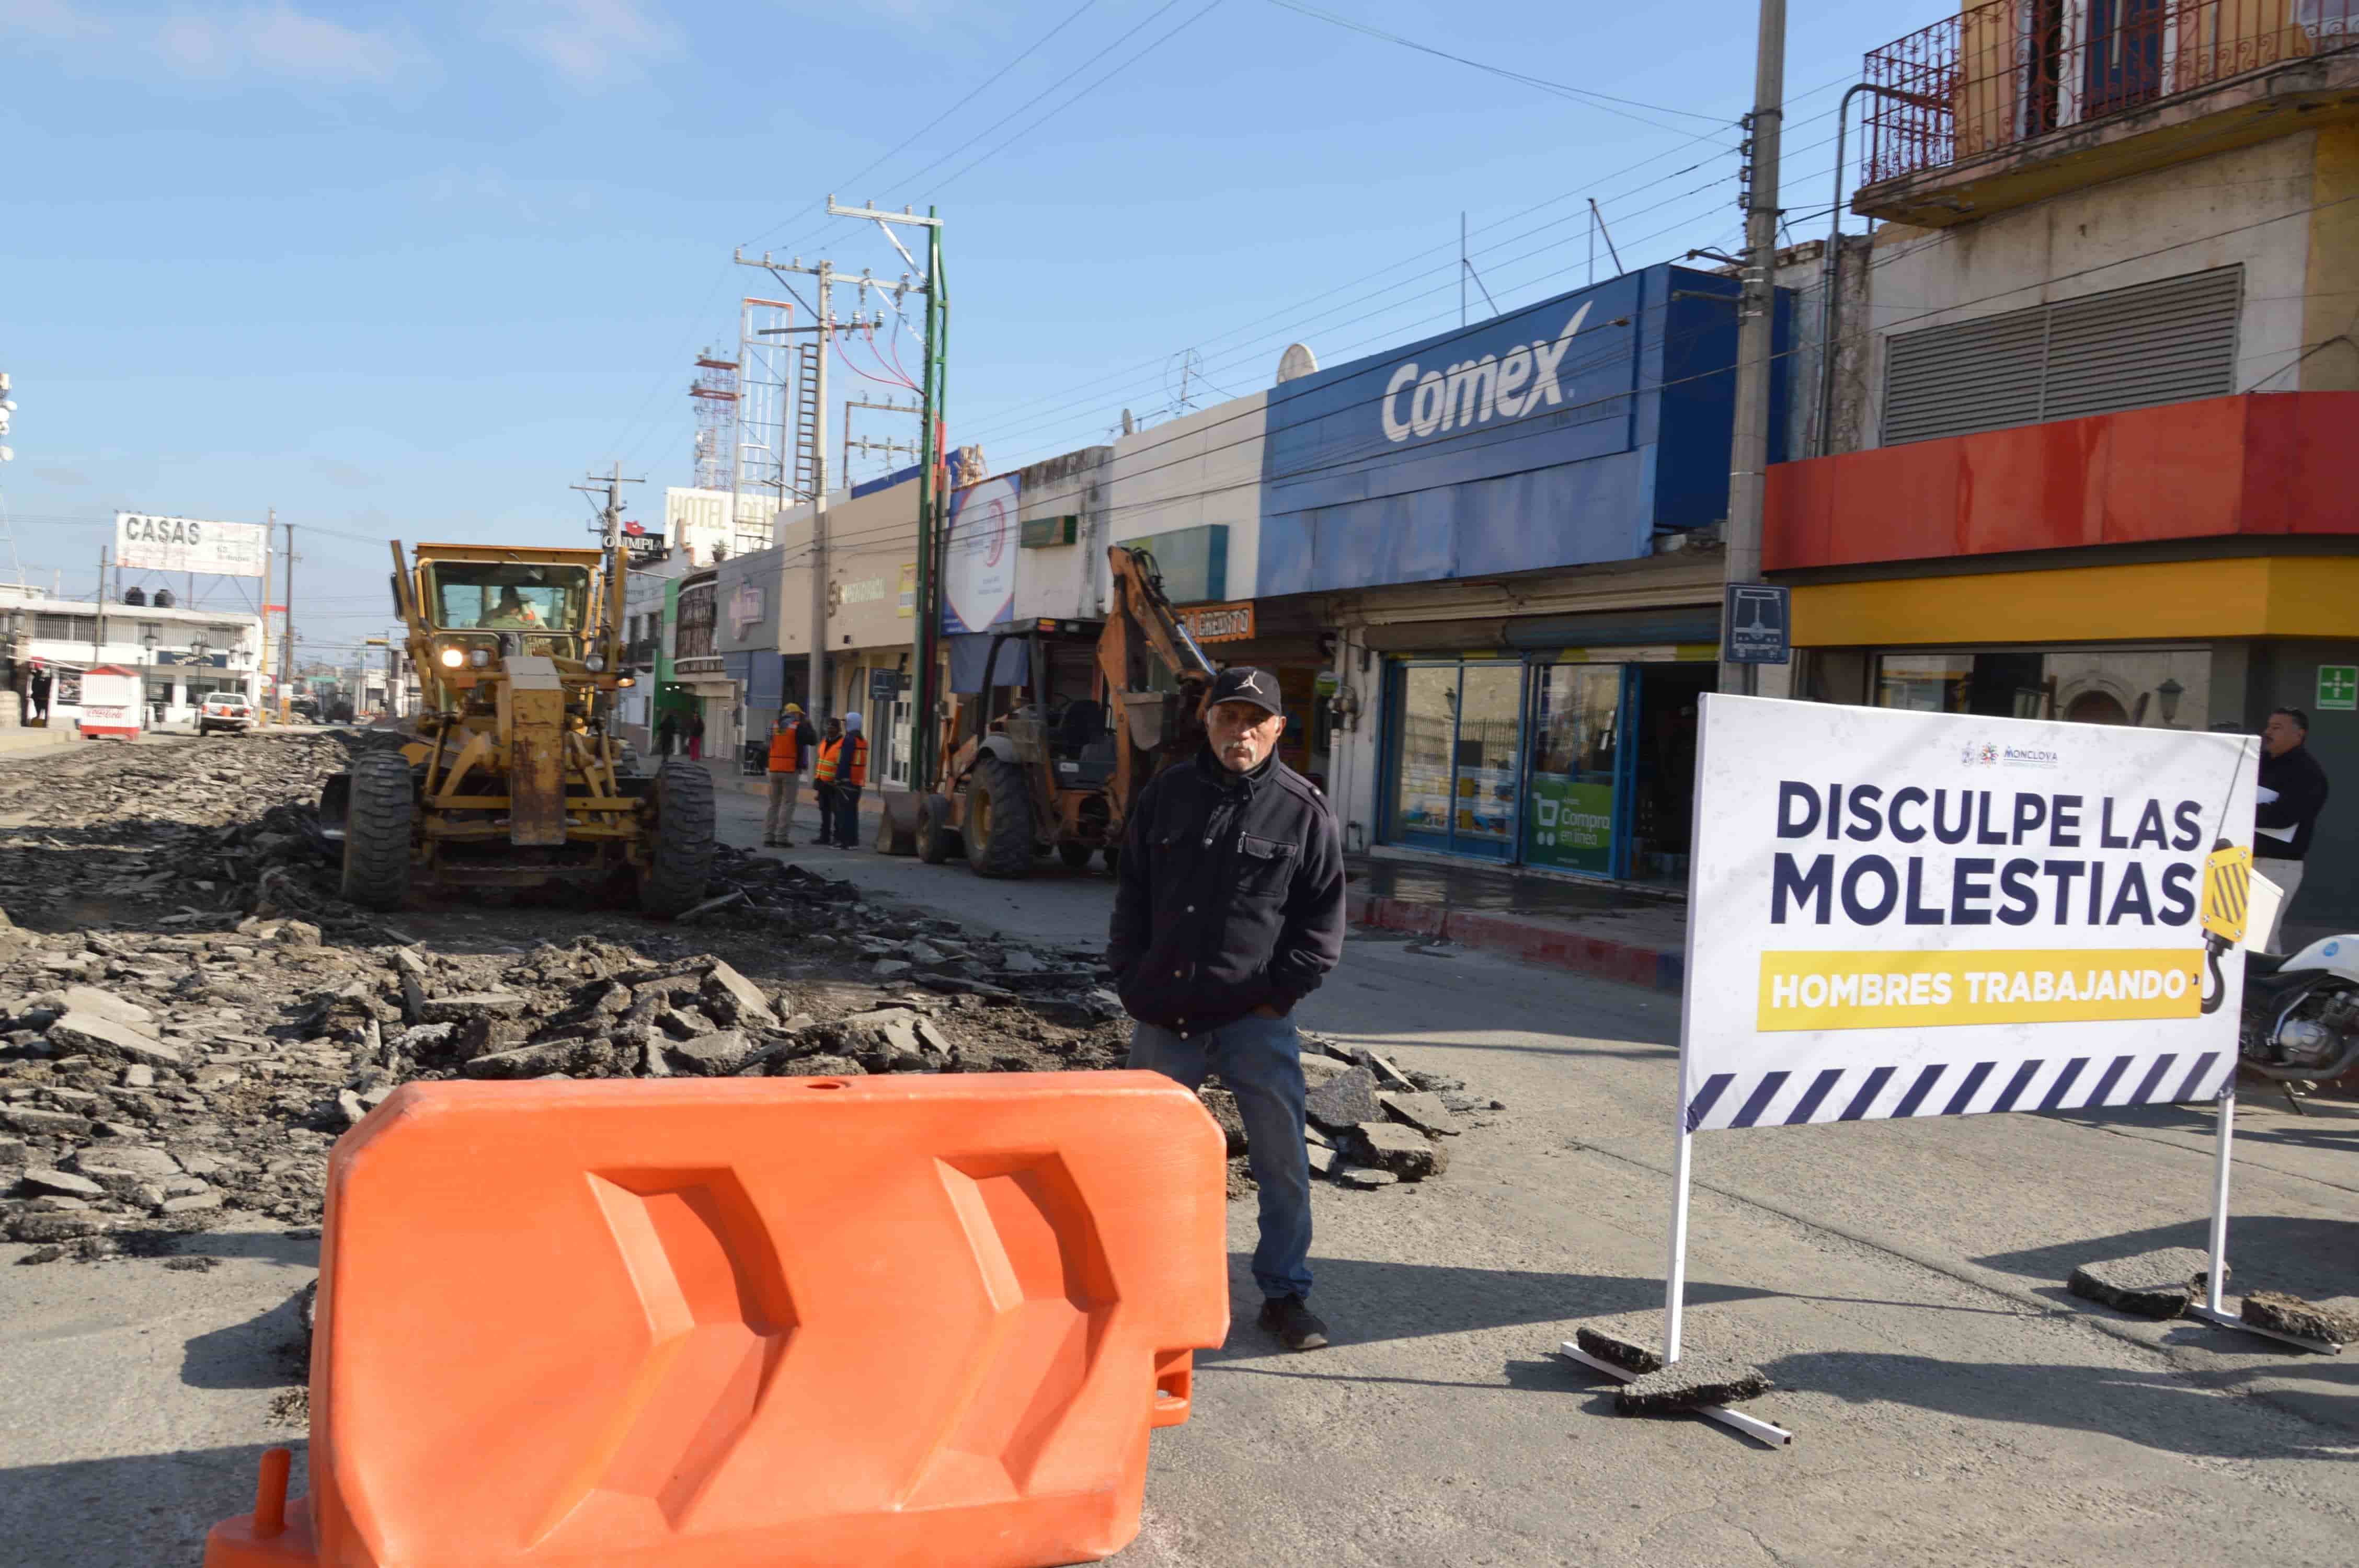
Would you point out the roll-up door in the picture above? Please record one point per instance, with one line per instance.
(2127, 348)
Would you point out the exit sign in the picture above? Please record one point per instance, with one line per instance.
(2338, 686)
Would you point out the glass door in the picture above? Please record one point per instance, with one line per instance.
(1575, 742)
(1457, 765)
(1426, 729)
(1489, 788)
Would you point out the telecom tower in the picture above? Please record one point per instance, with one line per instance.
(766, 476)
(714, 392)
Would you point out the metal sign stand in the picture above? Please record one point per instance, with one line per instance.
(1675, 1277)
(2215, 1309)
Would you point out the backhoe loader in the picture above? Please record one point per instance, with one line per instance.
(509, 777)
(1074, 718)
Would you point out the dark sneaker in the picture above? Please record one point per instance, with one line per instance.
(1296, 1326)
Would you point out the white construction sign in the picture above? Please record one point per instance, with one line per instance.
(148, 543)
(1900, 913)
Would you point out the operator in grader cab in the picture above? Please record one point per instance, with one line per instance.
(511, 613)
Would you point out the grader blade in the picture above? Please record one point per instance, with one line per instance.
(532, 704)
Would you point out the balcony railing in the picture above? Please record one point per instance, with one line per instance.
(1996, 75)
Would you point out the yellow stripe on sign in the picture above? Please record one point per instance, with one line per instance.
(1918, 990)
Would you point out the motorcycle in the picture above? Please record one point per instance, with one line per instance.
(2301, 1013)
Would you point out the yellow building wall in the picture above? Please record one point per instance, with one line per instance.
(2305, 596)
(2330, 317)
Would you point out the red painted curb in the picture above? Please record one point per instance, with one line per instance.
(1656, 968)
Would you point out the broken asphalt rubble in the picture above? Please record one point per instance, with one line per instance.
(192, 1016)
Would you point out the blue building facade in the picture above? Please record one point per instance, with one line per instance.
(1474, 562)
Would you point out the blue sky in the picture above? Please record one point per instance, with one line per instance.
(413, 271)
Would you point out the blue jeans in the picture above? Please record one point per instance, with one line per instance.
(845, 814)
(1260, 1060)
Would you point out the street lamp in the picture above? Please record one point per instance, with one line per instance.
(2169, 692)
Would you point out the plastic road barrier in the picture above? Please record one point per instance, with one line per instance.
(786, 1321)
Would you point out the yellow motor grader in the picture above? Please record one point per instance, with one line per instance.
(509, 777)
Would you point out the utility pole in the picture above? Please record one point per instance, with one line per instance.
(98, 626)
(1757, 314)
(816, 681)
(610, 516)
(287, 628)
(928, 282)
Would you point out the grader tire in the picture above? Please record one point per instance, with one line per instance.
(679, 861)
(999, 820)
(379, 815)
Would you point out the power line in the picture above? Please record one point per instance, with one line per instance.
(989, 80)
(1581, 94)
(1260, 415)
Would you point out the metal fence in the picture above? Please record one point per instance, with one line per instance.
(1996, 75)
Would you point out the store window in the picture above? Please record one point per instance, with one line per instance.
(2153, 689)
(1456, 779)
(1576, 732)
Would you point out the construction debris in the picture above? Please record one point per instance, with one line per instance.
(1689, 1381)
(2157, 1285)
(190, 1015)
(2281, 1313)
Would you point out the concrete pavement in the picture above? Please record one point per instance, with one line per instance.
(1902, 1282)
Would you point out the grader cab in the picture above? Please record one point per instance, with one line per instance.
(509, 777)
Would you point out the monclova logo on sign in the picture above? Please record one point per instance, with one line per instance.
(1470, 393)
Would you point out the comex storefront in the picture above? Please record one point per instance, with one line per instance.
(1502, 525)
(1568, 758)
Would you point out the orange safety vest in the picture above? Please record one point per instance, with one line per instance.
(831, 754)
(786, 753)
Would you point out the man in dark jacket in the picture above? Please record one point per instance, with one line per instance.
(2293, 791)
(1229, 910)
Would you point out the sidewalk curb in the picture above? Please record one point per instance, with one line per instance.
(1662, 969)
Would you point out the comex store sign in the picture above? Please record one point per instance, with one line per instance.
(1472, 391)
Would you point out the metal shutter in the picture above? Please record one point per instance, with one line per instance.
(2128, 348)
(1977, 375)
(2165, 343)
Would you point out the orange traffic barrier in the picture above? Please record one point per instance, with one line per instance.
(893, 1321)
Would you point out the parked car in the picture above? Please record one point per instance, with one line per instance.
(224, 712)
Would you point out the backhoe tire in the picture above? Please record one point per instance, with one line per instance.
(1112, 853)
(378, 818)
(999, 820)
(679, 861)
(937, 839)
(1075, 856)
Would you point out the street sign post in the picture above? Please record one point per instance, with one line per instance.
(1759, 623)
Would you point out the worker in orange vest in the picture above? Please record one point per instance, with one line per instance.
(844, 768)
(792, 743)
(831, 748)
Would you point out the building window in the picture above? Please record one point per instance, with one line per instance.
(65, 628)
(2153, 689)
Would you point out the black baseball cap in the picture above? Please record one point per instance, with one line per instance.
(1245, 684)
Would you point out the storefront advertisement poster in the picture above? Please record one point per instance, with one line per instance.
(1901, 914)
(979, 556)
(1570, 825)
